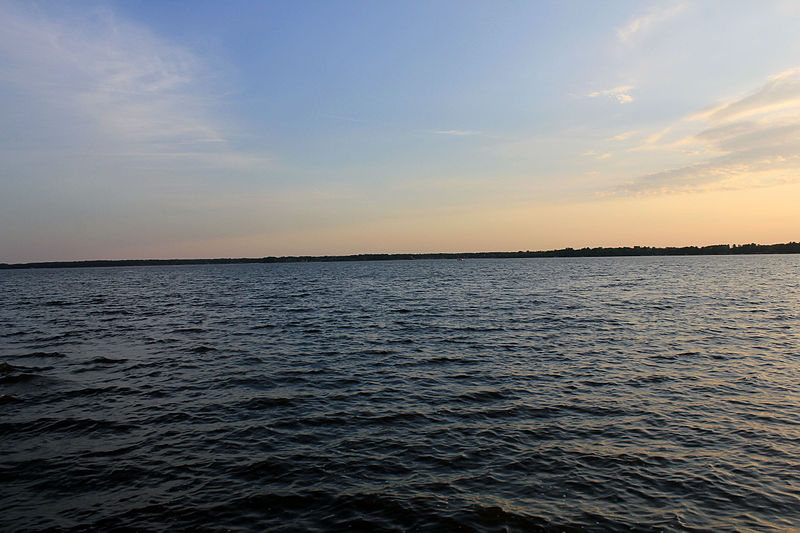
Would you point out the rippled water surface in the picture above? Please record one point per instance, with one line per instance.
(485, 395)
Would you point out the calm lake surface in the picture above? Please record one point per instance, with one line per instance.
(593, 394)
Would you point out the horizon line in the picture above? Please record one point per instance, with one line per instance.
(791, 247)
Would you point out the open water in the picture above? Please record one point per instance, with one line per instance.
(618, 394)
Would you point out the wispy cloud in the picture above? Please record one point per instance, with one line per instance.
(657, 136)
(592, 153)
(129, 90)
(623, 136)
(754, 141)
(780, 93)
(620, 93)
(640, 26)
(457, 132)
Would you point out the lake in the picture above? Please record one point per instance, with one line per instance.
(585, 394)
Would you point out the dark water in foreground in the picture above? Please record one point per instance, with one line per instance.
(527, 395)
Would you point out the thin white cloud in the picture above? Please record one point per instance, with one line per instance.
(657, 139)
(620, 93)
(638, 27)
(457, 133)
(745, 171)
(124, 87)
(592, 153)
(754, 141)
(624, 136)
(780, 93)
(657, 136)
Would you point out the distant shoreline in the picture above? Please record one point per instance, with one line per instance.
(717, 249)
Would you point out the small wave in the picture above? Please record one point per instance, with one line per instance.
(78, 425)
(496, 518)
(188, 330)
(171, 418)
(675, 356)
(337, 419)
(89, 391)
(267, 469)
(10, 374)
(59, 339)
(202, 349)
(8, 398)
(484, 396)
(256, 404)
(597, 410)
(477, 329)
(251, 382)
(43, 354)
(168, 340)
(18, 378)
(106, 361)
(501, 413)
(647, 380)
(110, 453)
(441, 360)
(112, 312)
(593, 383)
(303, 377)
(411, 417)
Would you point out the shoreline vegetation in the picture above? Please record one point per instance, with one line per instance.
(717, 249)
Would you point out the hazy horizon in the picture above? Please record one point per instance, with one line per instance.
(162, 130)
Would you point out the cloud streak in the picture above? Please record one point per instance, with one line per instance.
(620, 94)
(623, 136)
(780, 93)
(639, 27)
(754, 141)
(128, 89)
(592, 153)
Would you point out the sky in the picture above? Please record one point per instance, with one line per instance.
(184, 129)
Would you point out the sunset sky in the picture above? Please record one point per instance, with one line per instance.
(152, 129)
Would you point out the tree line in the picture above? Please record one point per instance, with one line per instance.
(716, 249)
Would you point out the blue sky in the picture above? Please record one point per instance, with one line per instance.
(207, 129)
